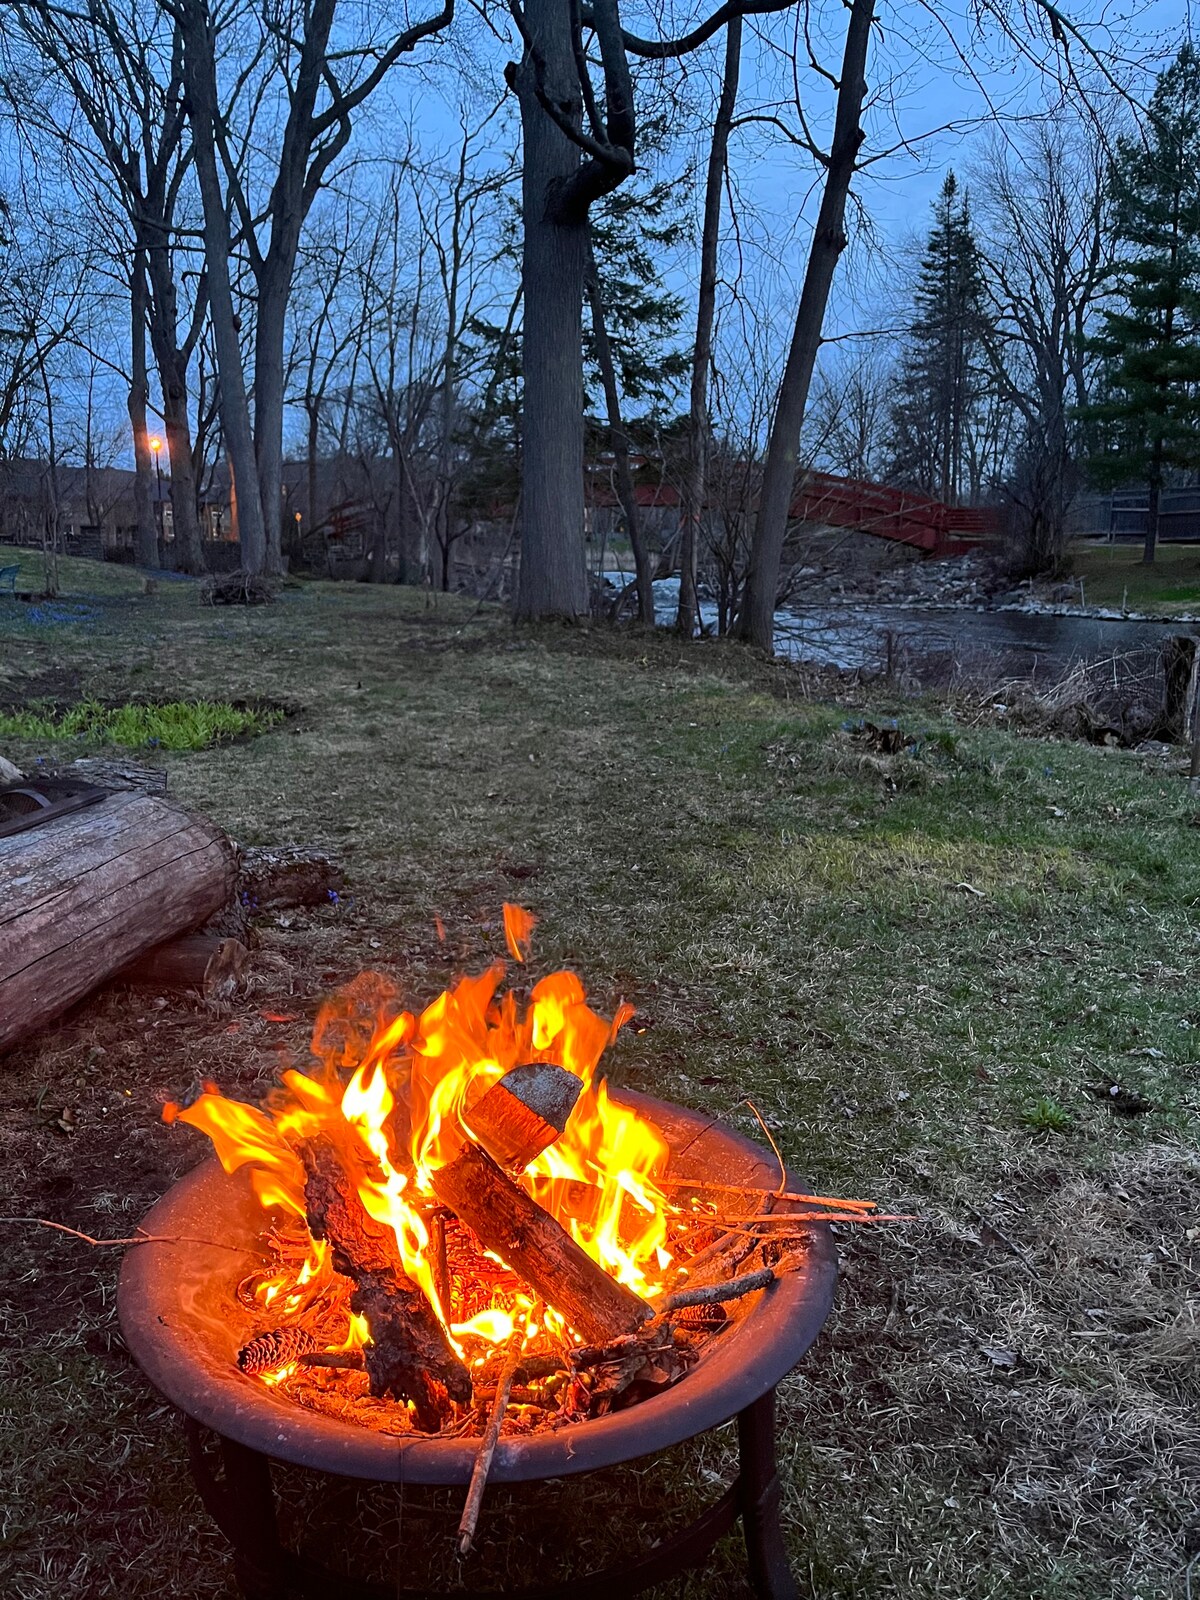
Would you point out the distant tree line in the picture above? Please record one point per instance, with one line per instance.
(454, 333)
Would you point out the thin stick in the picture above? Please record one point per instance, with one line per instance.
(352, 1360)
(702, 1185)
(771, 1141)
(441, 1270)
(137, 1238)
(487, 1445)
(799, 1218)
(713, 1294)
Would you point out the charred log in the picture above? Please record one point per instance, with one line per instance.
(505, 1220)
(409, 1356)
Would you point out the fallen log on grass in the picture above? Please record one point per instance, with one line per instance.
(85, 893)
(275, 876)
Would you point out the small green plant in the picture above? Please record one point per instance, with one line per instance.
(174, 725)
(1047, 1116)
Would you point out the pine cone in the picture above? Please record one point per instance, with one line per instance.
(274, 1349)
(702, 1319)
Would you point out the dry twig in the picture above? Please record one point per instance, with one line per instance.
(487, 1445)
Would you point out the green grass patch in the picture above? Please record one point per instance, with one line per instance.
(915, 964)
(76, 575)
(1114, 575)
(174, 725)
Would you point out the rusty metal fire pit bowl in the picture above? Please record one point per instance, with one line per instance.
(182, 1321)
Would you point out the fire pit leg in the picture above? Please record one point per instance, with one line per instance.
(252, 1499)
(242, 1504)
(758, 1481)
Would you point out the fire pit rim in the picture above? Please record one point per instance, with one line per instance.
(742, 1364)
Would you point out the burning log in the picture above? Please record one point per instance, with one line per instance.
(409, 1356)
(505, 1220)
(524, 1113)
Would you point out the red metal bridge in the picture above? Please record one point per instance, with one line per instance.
(902, 515)
(899, 514)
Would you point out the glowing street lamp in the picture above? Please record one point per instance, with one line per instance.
(156, 447)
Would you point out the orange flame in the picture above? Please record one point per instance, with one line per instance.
(518, 930)
(392, 1093)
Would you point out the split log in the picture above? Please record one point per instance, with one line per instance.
(409, 1356)
(524, 1113)
(535, 1246)
(83, 895)
(215, 967)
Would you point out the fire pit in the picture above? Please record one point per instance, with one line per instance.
(189, 1322)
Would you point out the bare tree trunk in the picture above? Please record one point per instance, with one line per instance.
(200, 77)
(269, 333)
(619, 441)
(145, 537)
(1153, 501)
(757, 617)
(189, 549)
(695, 478)
(553, 572)
(312, 405)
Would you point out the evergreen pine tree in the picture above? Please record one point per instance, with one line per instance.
(630, 231)
(943, 376)
(1147, 422)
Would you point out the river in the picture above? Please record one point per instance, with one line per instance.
(931, 643)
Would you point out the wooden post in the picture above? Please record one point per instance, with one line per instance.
(1179, 674)
(90, 891)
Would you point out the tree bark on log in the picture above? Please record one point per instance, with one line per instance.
(273, 876)
(87, 893)
(409, 1355)
(530, 1241)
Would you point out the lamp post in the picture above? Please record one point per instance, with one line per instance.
(156, 447)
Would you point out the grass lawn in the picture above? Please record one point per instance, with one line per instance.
(902, 960)
(1113, 575)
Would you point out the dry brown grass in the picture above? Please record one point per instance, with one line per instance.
(792, 924)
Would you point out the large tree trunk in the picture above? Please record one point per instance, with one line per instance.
(91, 891)
(757, 618)
(145, 535)
(553, 573)
(619, 441)
(172, 378)
(200, 76)
(695, 484)
(273, 283)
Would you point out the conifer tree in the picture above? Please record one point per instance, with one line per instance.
(943, 375)
(1148, 421)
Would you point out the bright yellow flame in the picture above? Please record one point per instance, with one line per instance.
(393, 1098)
